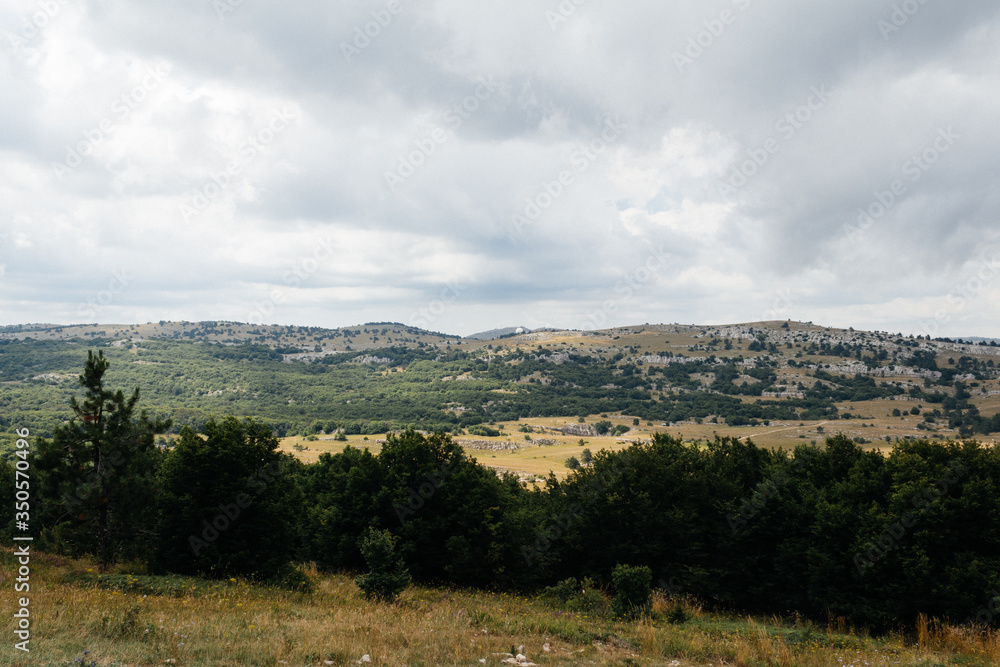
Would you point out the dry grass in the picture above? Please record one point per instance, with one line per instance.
(120, 618)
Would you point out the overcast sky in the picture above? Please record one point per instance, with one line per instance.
(462, 165)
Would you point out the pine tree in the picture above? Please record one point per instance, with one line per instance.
(96, 474)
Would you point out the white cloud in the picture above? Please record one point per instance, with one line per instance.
(489, 107)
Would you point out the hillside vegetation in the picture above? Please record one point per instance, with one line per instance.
(762, 380)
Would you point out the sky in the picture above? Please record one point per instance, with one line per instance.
(461, 165)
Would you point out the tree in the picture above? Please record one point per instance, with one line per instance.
(230, 503)
(96, 476)
(447, 510)
(586, 457)
(572, 463)
(342, 489)
(386, 577)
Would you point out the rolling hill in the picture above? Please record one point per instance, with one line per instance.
(778, 382)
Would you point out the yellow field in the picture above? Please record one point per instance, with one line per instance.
(872, 421)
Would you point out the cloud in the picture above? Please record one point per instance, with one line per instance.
(208, 149)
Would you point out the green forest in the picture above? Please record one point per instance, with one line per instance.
(826, 531)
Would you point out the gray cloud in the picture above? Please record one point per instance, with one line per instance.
(458, 146)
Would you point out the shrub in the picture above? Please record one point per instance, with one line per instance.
(590, 599)
(562, 591)
(386, 577)
(633, 594)
(676, 613)
(294, 579)
(577, 596)
(483, 431)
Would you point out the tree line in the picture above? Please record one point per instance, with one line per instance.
(828, 531)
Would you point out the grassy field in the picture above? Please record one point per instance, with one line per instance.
(123, 617)
(872, 422)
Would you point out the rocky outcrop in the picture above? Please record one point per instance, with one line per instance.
(491, 445)
(580, 430)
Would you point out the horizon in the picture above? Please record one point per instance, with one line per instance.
(528, 330)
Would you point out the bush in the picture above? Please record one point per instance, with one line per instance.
(483, 431)
(633, 593)
(562, 591)
(676, 614)
(577, 597)
(590, 599)
(386, 577)
(294, 579)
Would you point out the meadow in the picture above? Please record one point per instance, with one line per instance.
(126, 617)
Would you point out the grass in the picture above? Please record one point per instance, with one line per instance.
(874, 422)
(125, 617)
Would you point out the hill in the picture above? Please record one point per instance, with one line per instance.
(778, 382)
(504, 332)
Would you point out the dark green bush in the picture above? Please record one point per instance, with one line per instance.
(633, 592)
(386, 577)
